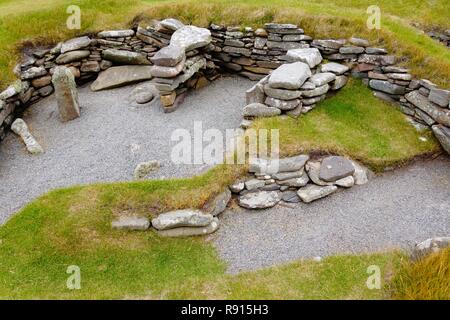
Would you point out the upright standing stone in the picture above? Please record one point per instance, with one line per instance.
(66, 93)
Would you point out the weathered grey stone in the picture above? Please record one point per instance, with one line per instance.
(295, 182)
(12, 90)
(308, 85)
(285, 46)
(334, 67)
(171, 24)
(334, 168)
(328, 43)
(440, 97)
(66, 93)
(430, 246)
(190, 231)
(312, 101)
(254, 184)
(313, 169)
(372, 50)
(377, 59)
(131, 223)
(33, 72)
(259, 200)
(296, 37)
(116, 33)
(311, 56)
(281, 94)
(439, 114)
(119, 76)
(168, 56)
(144, 93)
(272, 166)
(321, 78)
(386, 86)
(289, 76)
(442, 133)
(288, 175)
(234, 43)
(75, 44)
(20, 128)
(290, 196)
(218, 204)
(282, 104)
(260, 42)
(125, 57)
(339, 82)
(237, 187)
(72, 56)
(359, 42)
(351, 50)
(181, 218)
(144, 168)
(399, 76)
(395, 69)
(259, 110)
(255, 94)
(313, 192)
(167, 72)
(361, 173)
(244, 51)
(191, 37)
(316, 92)
(427, 84)
(346, 182)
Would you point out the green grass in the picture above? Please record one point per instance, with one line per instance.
(41, 22)
(356, 124)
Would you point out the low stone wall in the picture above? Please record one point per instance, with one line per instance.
(443, 37)
(249, 52)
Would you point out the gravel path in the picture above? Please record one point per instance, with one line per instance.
(109, 139)
(394, 210)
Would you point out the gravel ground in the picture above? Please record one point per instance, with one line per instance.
(109, 139)
(394, 210)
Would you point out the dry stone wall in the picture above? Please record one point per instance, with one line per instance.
(252, 53)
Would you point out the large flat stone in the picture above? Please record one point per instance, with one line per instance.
(439, 114)
(334, 67)
(272, 166)
(440, 97)
(75, 44)
(72, 56)
(167, 72)
(260, 110)
(316, 92)
(181, 218)
(168, 56)
(386, 86)
(259, 200)
(311, 56)
(190, 231)
(66, 93)
(116, 33)
(321, 78)
(282, 104)
(281, 94)
(290, 76)
(119, 76)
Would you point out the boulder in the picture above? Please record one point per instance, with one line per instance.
(321, 78)
(259, 200)
(168, 56)
(311, 56)
(75, 44)
(334, 67)
(260, 110)
(119, 76)
(289, 76)
(181, 218)
(386, 86)
(430, 246)
(191, 231)
(125, 57)
(131, 223)
(282, 94)
(442, 133)
(20, 128)
(313, 192)
(144, 168)
(439, 114)
(72, 56)
(334, 168)
(282, 104)
(66, 93)
(191, 37)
